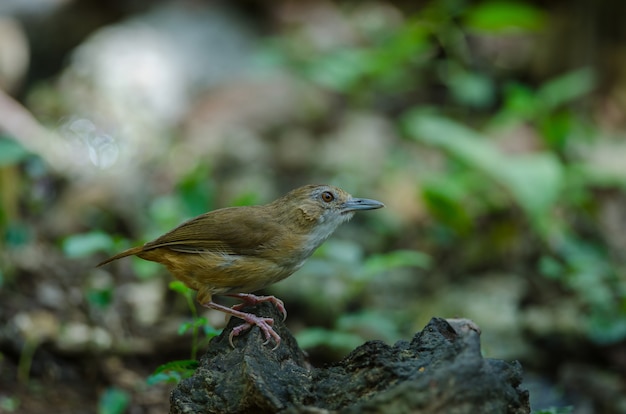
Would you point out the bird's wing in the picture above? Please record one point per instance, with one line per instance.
(215, 232)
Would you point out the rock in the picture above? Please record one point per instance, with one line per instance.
(440, 370)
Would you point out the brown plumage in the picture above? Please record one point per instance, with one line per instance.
(237, 250)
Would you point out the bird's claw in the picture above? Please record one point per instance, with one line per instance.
(250, 299)
(265, 324)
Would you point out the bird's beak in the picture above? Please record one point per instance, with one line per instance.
(355, 204)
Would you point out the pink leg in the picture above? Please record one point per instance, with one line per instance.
(265, 324)
(253, 300)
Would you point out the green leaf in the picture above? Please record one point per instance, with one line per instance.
(501, 16)
(9, 404)
(184, 327)
(81, 245)
(173, 371)
(113, 401)
(340, 70)
(195, 191)
(400, 258)
(470, 88)
(11, 152)
(566, 88)
(533, 180)
(210, 331)
(520, 102)
(196, 323)
(448, 197)
(371, 324)
(100, 298)
(249, 198)
(180, 287)
(313, 337)
(145, 269)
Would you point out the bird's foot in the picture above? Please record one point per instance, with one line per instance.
(264, 324)
(251, 299)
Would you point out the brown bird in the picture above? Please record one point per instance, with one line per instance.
(237, 250)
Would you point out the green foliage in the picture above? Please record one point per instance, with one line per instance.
(11, 152)
(468, 88)
(501, 16)
(100, 297)
(173, 372)
(17, 234)
(478, 178)
(86, 244)
(9, 404)
(379, 263)
(195, 192)
(533, 181)
(335, 339)
(585, 268)
(196, 321)
(547, 107)
(113, 401)
(338, 275)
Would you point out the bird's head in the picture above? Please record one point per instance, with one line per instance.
(319, 209)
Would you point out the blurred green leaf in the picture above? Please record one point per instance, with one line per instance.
(470, 89)
(180, 287)
(341, 341)
(520, 103)
(113, 401)
(11, 152)
(85, 244)
(533, 180)
(550, 267)
(446, 196)
(389, 61)
(379, 263)
(566, 88)
(145, 269)
(556, 129)
(209, 331)
(340, 70)
(500, 16)
(607, 327)
(196, 191)
(9, 404)
(196, 323)
(100, 298)
(173, 372)
(17, 234)
(371, 324)
(249, 198)
(166, 212)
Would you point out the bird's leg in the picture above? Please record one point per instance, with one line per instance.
(251, 299)
(265, 324)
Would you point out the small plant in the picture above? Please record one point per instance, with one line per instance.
(175, 371)
(113, 401)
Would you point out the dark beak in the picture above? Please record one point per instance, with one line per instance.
(355, 204)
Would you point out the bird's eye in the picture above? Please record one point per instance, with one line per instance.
(327, 196)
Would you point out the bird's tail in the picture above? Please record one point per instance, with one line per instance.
(129, 252)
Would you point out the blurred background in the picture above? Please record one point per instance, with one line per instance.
(494, 132)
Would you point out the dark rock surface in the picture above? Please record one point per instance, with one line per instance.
(440, 370)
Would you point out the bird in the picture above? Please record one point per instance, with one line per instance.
(235, 251)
